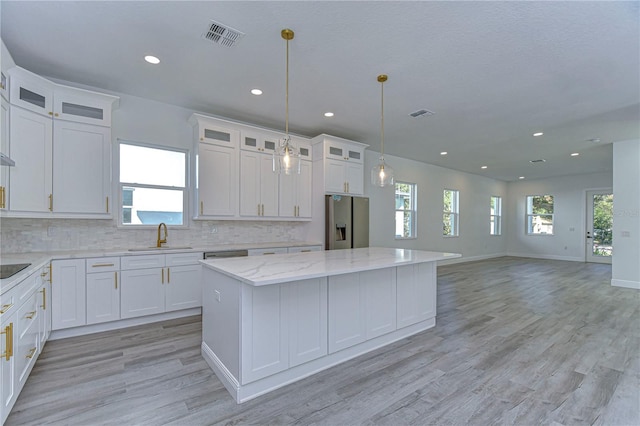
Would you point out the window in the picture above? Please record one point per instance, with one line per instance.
(495, 218)
(406, 210)
(451, 213)
(540, 215)
(152, 185)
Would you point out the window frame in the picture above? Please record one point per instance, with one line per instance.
(121, 185)
(495, 219)
(455, 202)
(529, 216)
(413, 212)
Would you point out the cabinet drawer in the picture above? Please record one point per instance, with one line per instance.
(103, 264)
(142, 262)
(9, 303)
(179, 259)
(263, 251)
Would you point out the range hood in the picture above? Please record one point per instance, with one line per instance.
(6, 161)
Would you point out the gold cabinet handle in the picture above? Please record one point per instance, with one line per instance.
(31, 353)
(168, 276)
(263, 210)
(5, 308)
(55, 114)
(269, 252)
(50, 112)
(201, 207)
(107, 204)
(50, 274)
(51, 202)
(305, 251)
(115, 275)
(30, 315)
(100, 265)
(44, 298)
(162, 275)
(1, 197)
(8, 336)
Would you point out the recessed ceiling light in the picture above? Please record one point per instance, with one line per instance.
(328, 114)
(444, 153)
(483, 167)
(594, 140)
(152, 59)
(521, 177)
(256, 92)
(538, 134)
(575, 154)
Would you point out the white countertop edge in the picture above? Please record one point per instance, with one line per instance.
(253, 263)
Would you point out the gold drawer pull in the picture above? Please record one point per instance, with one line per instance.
(44, 298)
(31, 353)
(168, 276)
(101, 265)
(305, 251)
(30, 315)
(162, 275)
(115, 274)
(8, 335)
(5, 308)
(270, 252)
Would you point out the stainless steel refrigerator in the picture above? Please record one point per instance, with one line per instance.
(347, 222)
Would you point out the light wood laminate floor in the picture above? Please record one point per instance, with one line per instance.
(517, 341)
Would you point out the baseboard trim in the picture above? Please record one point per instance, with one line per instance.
(115, 325)
(464, 259)
(547, 256)
(626, 284)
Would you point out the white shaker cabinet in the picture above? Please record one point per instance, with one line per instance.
(217, 184)
(258, 185)
(184, 286)
(339, 164)
(295, 193)
(416, 297)
(28, 337)
(81, 168)
(9, 390)
(31, 147)
(68, 293)
(103, 290)
(31, 92)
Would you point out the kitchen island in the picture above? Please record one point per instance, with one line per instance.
(271, 320)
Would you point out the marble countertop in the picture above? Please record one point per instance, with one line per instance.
(280, 268)
(39, 259)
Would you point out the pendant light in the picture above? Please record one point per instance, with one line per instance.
(286, 157)
(382, 173)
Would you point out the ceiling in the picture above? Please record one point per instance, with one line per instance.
(492, 72)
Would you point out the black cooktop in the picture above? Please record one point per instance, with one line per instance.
(7, 271)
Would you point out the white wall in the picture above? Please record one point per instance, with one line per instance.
(474, 241)
(569, 205)
(626, 211)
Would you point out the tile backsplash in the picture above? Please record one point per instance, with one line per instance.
(35, 235)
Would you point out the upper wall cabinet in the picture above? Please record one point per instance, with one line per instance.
(342, 164)
(209, 130)
(31, 92)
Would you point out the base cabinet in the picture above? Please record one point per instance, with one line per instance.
(68, 293)
(183, 289)
(103, 297)
(8, 364)
(142, 292)
(415, 299)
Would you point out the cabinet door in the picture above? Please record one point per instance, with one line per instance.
(4, 149)
(44, 306)
(217, 135)
(416, 292)
(81, 168)
(265, 344)
(347, 311)
(103, 297)
(304, 191)
(268, 187)
(380, 288)
(306, 303)
(217, 181)
(355, 178)
(31, 149)
(28, 338)
(82, 106)
(8, 392)
(288, 200)
(183, 287)
(68, 293)
(142, 292)
(250, 184)
(31, 92)
(335, 176)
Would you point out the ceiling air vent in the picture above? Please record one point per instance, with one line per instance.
(221, 34)
(538, 161)
(422, 113)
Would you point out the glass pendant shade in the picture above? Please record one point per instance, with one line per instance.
(382, 174)
(286, 158)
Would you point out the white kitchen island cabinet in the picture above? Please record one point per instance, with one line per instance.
(271, 320)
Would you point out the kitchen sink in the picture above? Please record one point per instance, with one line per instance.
(161, 248)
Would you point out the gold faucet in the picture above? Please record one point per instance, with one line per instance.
(163, 240)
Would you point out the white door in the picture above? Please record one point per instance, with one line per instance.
(68, 293)
(250, 184)
(81, 168)
(355, 176)
(268, 186)
(599, 238)
(304, 189)
(334, 180)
